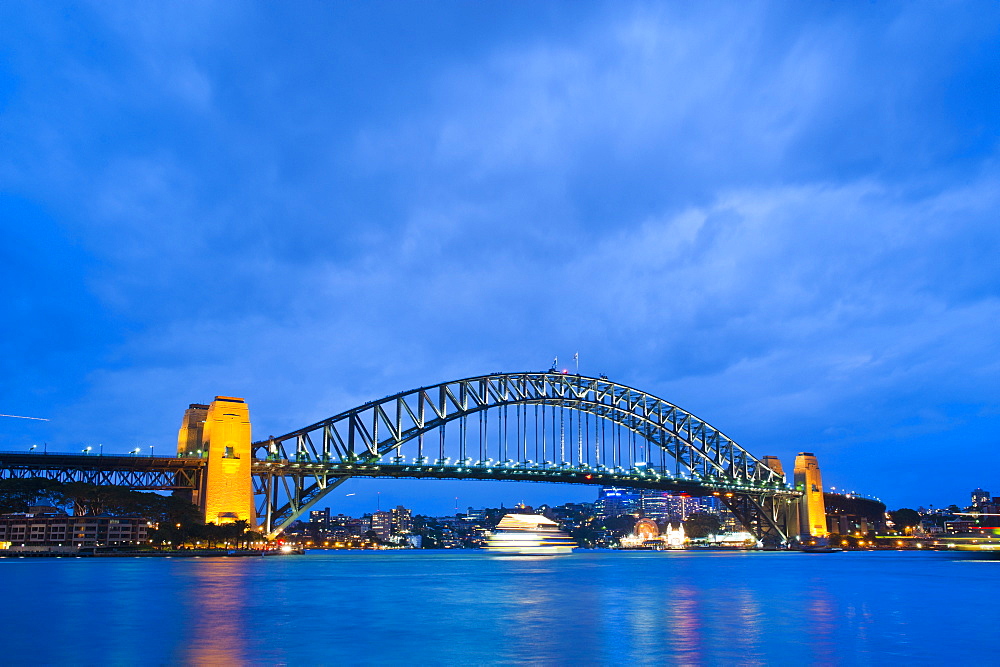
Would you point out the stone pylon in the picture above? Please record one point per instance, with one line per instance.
(812, 508)
(220, 434)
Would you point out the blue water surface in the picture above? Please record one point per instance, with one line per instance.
(469, 607)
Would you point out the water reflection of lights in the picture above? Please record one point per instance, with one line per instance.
(750, 614)
(686, 622)
(218, 618)
(821, 626)
(530, 601)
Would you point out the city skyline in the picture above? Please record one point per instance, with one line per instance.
(780, 218)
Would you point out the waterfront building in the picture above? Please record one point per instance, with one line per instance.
(45, 527)
(848, 514)
(959, 526)
(647, 535)
(675, 537)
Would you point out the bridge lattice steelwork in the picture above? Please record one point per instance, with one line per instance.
(136, 472)
(545, 426)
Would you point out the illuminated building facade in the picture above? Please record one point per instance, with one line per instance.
(660, 506)
(848, 514)
(402, 520)
(381, 524)
(613, 501)
(320, 519)
(657, 505)
(981, 498)
(812, 509)
(48, 527)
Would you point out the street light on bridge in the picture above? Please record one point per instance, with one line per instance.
(134, 452)
(86, 450)
(151, 451)
(31, 450)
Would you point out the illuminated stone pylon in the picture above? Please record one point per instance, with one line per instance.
(220, 433)
(787, 511)
(192, 430)
(772, 462)
(812, 508)
(189, 444)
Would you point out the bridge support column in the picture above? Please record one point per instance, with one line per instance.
(226, 493)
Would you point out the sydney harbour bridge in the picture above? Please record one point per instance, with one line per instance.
(537, 426)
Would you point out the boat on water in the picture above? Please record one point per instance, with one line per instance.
(529, 535)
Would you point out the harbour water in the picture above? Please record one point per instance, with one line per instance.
(469, 607)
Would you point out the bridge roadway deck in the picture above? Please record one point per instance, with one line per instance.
(152, 473)
(116, 469)
(47, 461)
(516, 473)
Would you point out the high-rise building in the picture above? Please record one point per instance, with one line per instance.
(655, 505)
(613, 501)
(980, 498)
(476, 515)
(660, 506)
(402, 520)
(381, 524)
(812, 509)
(320, 518)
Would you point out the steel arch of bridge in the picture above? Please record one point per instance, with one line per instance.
(292, 472)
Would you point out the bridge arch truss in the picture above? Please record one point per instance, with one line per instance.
(534, 426)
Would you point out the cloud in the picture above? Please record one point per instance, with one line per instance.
(781, 219)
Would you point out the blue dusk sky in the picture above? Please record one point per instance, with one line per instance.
(782, 217)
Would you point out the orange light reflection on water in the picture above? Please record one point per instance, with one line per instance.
(218, 621)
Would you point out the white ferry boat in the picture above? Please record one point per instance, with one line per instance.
(529, 535)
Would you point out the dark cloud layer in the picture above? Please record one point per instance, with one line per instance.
(781, 218)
